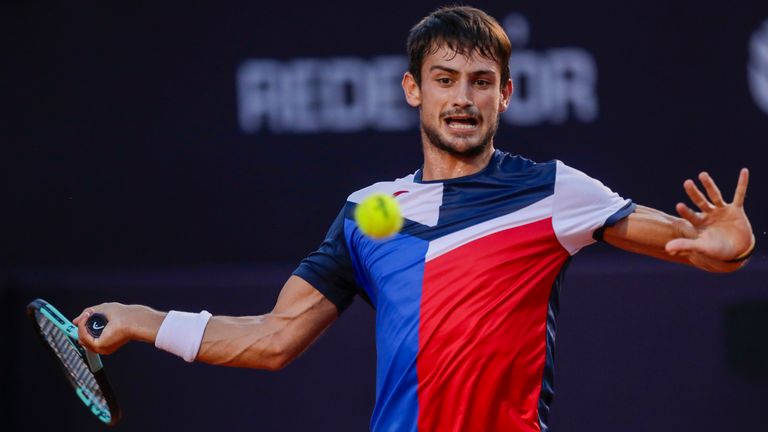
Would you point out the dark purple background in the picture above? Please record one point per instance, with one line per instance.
(125, 177)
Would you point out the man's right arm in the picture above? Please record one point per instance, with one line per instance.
(273, 340)
(268, 341)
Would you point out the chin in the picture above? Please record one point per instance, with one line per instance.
(462, 148)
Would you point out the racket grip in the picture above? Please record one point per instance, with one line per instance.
(95, 324)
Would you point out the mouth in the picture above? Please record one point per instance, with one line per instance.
(462, 122)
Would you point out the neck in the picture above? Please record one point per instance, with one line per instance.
(441, 165)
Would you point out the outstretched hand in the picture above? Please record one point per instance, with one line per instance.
(719, 231)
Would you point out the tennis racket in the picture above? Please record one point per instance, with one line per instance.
(82, 368)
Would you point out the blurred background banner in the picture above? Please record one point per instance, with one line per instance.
(188, 155)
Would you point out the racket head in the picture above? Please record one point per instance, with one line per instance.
(83, 369)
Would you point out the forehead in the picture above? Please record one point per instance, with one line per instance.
(446, 57)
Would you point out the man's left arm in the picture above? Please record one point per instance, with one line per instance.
(717, 238)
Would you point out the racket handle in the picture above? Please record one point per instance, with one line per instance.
(95, 324)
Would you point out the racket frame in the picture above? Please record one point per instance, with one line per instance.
(92, 360)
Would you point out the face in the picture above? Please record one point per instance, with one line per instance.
(459, 99)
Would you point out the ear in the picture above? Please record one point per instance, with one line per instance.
(412, 90)
(506, 95)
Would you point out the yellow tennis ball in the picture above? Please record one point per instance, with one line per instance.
(378, 216)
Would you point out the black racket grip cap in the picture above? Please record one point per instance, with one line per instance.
(95, 324)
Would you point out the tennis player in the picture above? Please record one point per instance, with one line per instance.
(466, 294)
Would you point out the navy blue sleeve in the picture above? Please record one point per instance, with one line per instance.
(614, 219)
(329, 268)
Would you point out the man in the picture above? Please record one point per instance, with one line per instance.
(464, 294)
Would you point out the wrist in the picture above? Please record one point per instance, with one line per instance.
(147, 322)
(745, 255)
(181, 333)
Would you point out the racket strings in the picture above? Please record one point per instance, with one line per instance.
(77, 369)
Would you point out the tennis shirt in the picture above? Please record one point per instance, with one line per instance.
(466, 294)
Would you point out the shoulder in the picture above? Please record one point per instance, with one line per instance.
(567, 175)
(509, 162)
(519, 169)
(506, 161)
(554, 173)
(392, 187)
(419, 202)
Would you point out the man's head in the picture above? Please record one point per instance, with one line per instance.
(463, 30)
(459, 78)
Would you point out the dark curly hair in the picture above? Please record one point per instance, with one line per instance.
(462, 29)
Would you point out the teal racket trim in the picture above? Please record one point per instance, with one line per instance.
(82, 368)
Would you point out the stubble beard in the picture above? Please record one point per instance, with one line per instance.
(437, 141)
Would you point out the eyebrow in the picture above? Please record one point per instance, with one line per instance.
(443, 68)
(454, 71)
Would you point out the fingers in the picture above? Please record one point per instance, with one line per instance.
(83, 316)
(688, 214)
(85, 338)
(696, 196)
(712, 191)
(714, 197)
(104, 344)
(741, 188)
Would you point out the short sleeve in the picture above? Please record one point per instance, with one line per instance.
(329, 269)
(582, 206)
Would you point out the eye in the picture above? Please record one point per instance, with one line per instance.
(443, 80)
(482, 83)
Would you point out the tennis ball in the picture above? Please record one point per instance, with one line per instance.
(378, 216)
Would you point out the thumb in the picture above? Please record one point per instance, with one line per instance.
(681, 245)
(83, 315)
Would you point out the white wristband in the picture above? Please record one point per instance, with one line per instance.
(181, 333)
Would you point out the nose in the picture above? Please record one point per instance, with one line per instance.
(463, 96)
